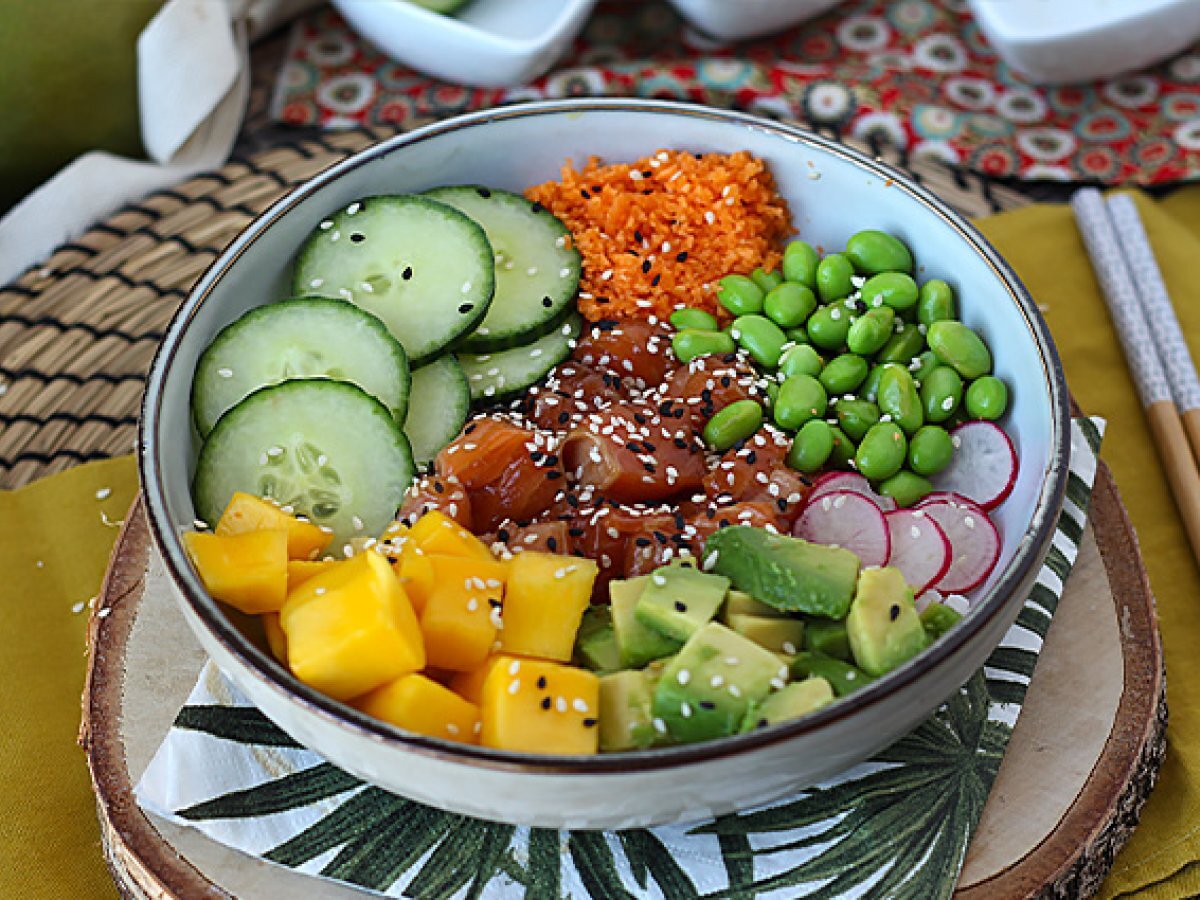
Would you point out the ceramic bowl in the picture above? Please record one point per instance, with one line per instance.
(728, 21)
(833, 192)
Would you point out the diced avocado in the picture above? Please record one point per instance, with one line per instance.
(785, 572)
(883, 624)
(626, 716)
(938, 618)
(741, 603)
(596, 641)
(636, 644)
(794, 701)
(678, 600)
(844, 678)
(706, 690)
(777, 635)
(828, 637)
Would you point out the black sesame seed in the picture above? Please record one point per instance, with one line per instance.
(637, 236)
(537, 208)
(495, 604)
(601, 299)
(894, 612)
(642, 542)
(585, 195)
(763, 723)
(563, 418)
(646, 266)
(553, 474)
(574, 532)
(547, 302)
(466, 308)
(752, 457)
(439, 487)
(407, 273)
(502, 535)
(655, 280)
(590, 723)
(707, 704)
(552, 544)
(681, 257)
(545, 703)
(680, 606)
(470, 428)
(659, 536)
(357, 238)
(541, 682)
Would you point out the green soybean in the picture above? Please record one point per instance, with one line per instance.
(881, 452)
(855, 417)
(903, 346)
(772, 392)
(844, 373)
(897, 397)
(869, 389)
(789, 304)
(958, 346)
(734, 423)
(844, 449)
(695, 319)
(930, 450)
(800, 264)
(873, 252)
(870, 331)
(801, 399)
(833, 277)
(941, 392)
(905, 487)
(797, 335)
(692, 342)
(812, 447)
(987, 398)
(894, 289)
(802, 359)
(761, 338)
(766, 281)
(740, 295)
(927, 361)
(829, 326)
(935, 302)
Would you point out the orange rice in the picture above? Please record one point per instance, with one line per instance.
(659, 234)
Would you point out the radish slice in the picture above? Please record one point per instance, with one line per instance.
(846, 519)
(849, 481)
(984, 466)
(926, 599)
(920, 548)
(974, 542)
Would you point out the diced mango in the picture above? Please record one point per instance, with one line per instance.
(247, 571)
(434, 532)
(415, 572)
(469, 685)
(394, 530)
(533, 706)
(544, 601)
(461, 612)
(300, 570)
(352, 628)
(246, 512)
(419, 704)
(276, 639)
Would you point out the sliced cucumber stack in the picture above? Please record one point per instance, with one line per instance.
(423, 267)
(537, 271)
(308, 337)
(325, 448)
(439, 404)
(499, 376)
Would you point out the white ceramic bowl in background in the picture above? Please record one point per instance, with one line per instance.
(736, 20)
(833, 192)
(487, 43)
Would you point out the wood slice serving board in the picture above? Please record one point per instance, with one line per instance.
(1083, 757)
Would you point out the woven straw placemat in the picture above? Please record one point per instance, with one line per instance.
(78, 333)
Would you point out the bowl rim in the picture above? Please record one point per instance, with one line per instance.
(274, 677)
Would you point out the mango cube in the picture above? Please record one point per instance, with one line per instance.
(246, 512)
(300, 570)
(247, 571)
(534, 706)
(462, 611)
(351, 629)
(469, 685)
(276, 639)
(419, 704)
(415, 572)
(544, 601)
(436, 533)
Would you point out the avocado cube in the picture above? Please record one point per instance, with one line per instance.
(938, 618)
(785, 572)
(843, 677)
(883, 625)
(637, 644)
(792, 702)
(828, 637)
(596, 642)
(739, 603)
(777, 635)
(707, 688)
(626, 710)
(680, 599)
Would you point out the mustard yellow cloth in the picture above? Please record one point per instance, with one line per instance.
(48, 839)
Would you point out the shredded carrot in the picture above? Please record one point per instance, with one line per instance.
(658, 235)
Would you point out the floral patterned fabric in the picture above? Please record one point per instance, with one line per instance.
(917, 73)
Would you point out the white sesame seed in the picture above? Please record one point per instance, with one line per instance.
(685, 710)
(560, 703)
(514, 667)
(225, 373)
(734, 690)
(716, 681)
(353, 208)
(103, 493)
(580, 705)
(684, 676)
(514, 686)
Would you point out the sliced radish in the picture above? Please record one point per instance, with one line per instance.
(974, 542)
(846, 519)
(920, 548)
(926, 599)
(849, 481)
(984, 465)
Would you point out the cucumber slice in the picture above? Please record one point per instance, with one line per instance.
(537, 272)
(439, 404)
(423, 267)
(499, 376)
(307, 337)
(326, 448)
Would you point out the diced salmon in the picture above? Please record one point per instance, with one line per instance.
(607, 533)
(628, 350)
(571, 391)
(546, 536)
(758, 473)
(440, 492)
(708, 384)
(704, 523)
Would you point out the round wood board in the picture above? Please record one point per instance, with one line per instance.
(1068, 794)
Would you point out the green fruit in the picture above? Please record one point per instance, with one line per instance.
(800, 264)
(739, 295)
(801, 360)
(761, 338)
(812, 447)
(930, 450)
(734, 423)
(935, 303)
(881, 452)
(833, 277)
(941, 392)
(987, 398)
(696, 319)
(844, 373)
(873, 252)
(691, 342)
(800, 399)
(894, 289)
(789, 304)
(958, 346)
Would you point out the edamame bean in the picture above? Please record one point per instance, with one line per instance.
(801, 360)
(871, 331)
(797, 335)
(692, 342)
(766, 281)
(828, 327)
(833, 277)
(739, 295)
(789, 304)
(812, 447)
(800, 264)
(855, 417)
(881, 452)
(761, 338)
(734, 423)
(903, 346)
(873, 252)
(869, 389)
(894, 289)
(930, 450)
(925, 363)
(958, 346)
(905, 487)
(696, 319)
(935, 302)
(844, 373)
(772, 392)
(844, 449)
(897, 397)
(941, 392)
(987, 398)
(801, 398)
